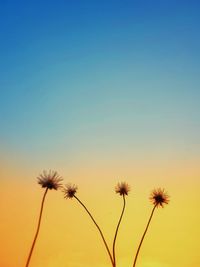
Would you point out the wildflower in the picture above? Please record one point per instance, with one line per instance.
(122, 188)
(70, 190)
(159, 197)
(50, 180)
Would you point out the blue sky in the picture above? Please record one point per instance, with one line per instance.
(101, 91)
(99, 75)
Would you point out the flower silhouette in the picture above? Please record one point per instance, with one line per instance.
(159, 197)
(70, 190)
(50, 180)
(122, 188)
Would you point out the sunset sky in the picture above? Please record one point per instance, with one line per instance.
(101, 91)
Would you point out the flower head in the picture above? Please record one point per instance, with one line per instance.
(159, 197)
(122, 188)
(70, 190)
(50, 180)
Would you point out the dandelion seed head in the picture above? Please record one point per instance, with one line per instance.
(70, 190)
(50, 180)
(159, 197)
(122, 188)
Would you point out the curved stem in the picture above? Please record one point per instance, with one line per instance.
(101, 233)
(116, 232)
(38, 228)
(134, 264)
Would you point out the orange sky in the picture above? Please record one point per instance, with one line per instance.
(68, 237)
(101, 92)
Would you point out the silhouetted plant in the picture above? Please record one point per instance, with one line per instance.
(50, 180)
(158, 197)
(70, 192)
(122, 189)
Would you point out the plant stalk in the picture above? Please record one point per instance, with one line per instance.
(117, 228)
(100, 231)
(134, 264)
(38, 228)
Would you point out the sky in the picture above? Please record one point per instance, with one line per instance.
(102, 92)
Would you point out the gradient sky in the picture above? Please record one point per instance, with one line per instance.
(101, 91)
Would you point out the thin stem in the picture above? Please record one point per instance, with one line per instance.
(38, 228)
(134, 264)
(101, 233)
(116, 232)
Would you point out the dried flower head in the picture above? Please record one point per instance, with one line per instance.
(122, 188)
(50, 180)
(70, 190)
(159, 197)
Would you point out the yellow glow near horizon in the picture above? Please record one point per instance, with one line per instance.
(69, 238)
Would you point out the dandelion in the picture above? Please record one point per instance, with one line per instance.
(122, 189)
(69, 193)
(49, 180)
(158, 198)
